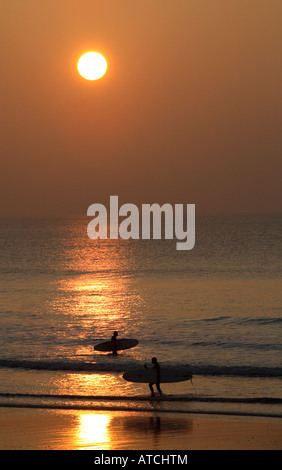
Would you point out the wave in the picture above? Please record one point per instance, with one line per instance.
(265, 320)
(214, 319)
(238, 345)
(143, 398)
(262, 320)
(129, 405)
(238, 371)
(114, 367)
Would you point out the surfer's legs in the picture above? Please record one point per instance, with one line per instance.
(159, 388)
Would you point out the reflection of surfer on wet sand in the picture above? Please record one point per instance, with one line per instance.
(157, 367)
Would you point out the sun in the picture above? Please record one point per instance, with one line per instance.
(92, 66)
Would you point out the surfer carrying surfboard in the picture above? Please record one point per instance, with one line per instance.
(114, 342)
(157, 367)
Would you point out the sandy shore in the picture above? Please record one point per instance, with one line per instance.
(35, 429)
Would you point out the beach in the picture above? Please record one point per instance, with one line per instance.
(39, 429)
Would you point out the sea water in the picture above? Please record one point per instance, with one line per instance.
(214, 310)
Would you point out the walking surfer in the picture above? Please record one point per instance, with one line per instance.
(157, 367)
(114, 342)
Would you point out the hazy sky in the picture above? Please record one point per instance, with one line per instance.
(189, 110)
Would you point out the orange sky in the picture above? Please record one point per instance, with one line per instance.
(189, 110)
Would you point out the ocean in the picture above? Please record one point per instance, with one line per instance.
(214, 310)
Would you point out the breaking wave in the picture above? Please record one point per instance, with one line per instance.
(113, 367)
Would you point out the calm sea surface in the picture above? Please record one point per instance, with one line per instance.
(215, 310)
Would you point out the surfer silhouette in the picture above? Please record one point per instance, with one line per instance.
(114, 342)
(157, 367)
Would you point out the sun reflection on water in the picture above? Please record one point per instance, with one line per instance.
(97, 292)
(93, 431)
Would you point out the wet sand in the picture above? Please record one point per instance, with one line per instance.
(37, 429)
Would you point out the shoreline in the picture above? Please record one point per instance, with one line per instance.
(101, 409)
(49, 429)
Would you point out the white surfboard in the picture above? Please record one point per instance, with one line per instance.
(167, 375)
(124, 343)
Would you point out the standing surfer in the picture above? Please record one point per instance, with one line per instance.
(157, 367)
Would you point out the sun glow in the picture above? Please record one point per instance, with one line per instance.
(93, 431)
(92, 66)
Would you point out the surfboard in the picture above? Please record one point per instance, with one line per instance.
(167, 375)
(124, 343)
